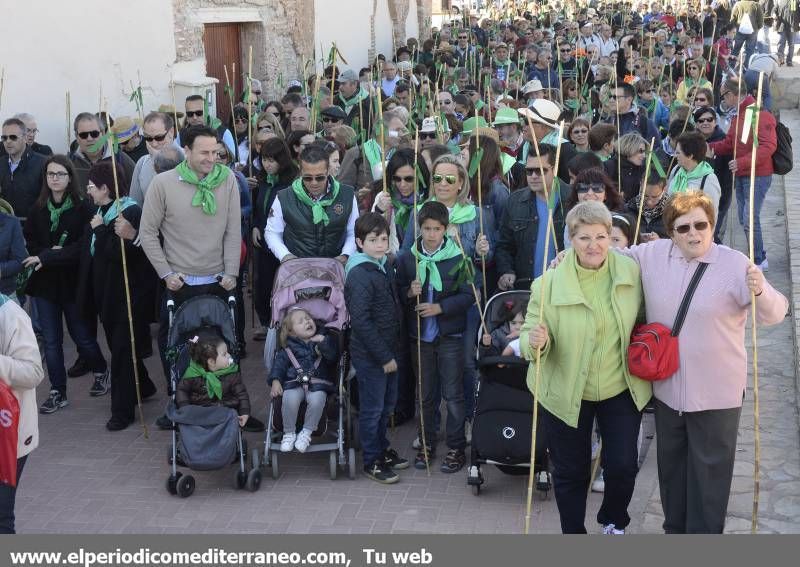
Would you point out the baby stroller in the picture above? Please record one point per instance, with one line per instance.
(204, 438)
(316, 285)
(501, 425)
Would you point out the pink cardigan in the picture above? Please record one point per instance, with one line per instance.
(713, 361)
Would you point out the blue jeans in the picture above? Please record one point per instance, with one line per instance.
(8, 496)
(50, 318)
(742, 185)
(749, 42)
(377, 395)
(786, 41)
(571, 454)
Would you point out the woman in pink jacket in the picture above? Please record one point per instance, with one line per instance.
(21, 369)
(698, 408)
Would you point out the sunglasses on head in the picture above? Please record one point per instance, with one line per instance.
(698, 226)
(191, 113)
(449, 179)
(593, 187)
(159, 138)
(405, 178)
(89, 134)
(12, 137)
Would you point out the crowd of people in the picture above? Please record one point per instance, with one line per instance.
(449, 170)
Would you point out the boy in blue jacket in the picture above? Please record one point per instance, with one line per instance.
(440, 296)
(375, 331)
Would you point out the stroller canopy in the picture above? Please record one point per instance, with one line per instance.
(316, 285)
(201, 311)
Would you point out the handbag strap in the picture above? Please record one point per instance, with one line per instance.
(687, 298)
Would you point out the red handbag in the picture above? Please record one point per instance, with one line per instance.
(9, 428)
(653, 351)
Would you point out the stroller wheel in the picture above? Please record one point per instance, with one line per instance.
(333, 465)
(276, 472)
(172, 483)
(185, 486)
(351, 463)
(239, 479)
(253, 480)
(256, 463)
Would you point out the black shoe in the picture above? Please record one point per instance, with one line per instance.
(254, 425)
(78, 369)
(789, 63)
(149, 392)
(117, 423)
(454, 461)
(420, 461)
(380, 472)
(164, 423)
(101, 385)
(55, 401)
(400, 417)
(394, 461)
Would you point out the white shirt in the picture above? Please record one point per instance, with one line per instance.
(608, 46)
(276, 225)
(585, 41)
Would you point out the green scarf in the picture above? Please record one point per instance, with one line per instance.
(272, 180)
(372, 151)
(680, 182)
(317, 207)
(460, 213)
(56, 212)
(112, 213)
(213, 384)
(362, 258)
(352, 101)
(402, 212)
(428, 270)
(204, 196)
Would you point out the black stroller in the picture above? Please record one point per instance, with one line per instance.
(204, 438)
(501, 425)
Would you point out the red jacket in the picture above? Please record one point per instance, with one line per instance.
(767, 142)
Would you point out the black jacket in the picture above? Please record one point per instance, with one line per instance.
(374, 313)
(519, 228)
(22, 188)
(12, 252)
(631, 176)
(454, 300)
(36, 147)
(83, 165)
(57, 279)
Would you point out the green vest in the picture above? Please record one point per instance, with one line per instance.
(305, 239)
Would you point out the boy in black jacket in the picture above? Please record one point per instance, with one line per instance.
(375, 325)
(440, 296)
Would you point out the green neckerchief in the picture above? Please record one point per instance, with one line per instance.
(317, 207)
(506, 63)
(56, 212)
(402, 212)
(111, 214)
(213, 384)
(428, 270)
(649, 107)
(204, 196)
(362, 258)
(271, 181)
(352, 101)
(680, 182)
(459, 213)
(553, 139)
(571, 103)
(372, 151)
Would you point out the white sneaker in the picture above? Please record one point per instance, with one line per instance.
(287, 443)
(610, 529)
(303, 440)
(416, 443)
(599, 485)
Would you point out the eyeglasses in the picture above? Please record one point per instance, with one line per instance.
(698, 226)
(536, 170)
(326, 119)
(89, 134)
(192, 113)
(159, 138)
(593, 187)
(449, 179)
(705, 120)
(427, 135)
(406, 178)
(12, 137)
(314, 178)
(57, 174)
(724, 94)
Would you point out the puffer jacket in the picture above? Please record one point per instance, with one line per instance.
(193, 391)
(306, 354)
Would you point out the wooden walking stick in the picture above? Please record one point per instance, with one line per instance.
(229, 89)
(250, 108)
(475, 293)
(642, 190)
(736, 132)
(69, 119)
(538, 374)
(174, 107)
(478, 157)
(2, 84)
(382, 133)
(754, 326)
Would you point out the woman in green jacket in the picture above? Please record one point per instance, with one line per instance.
(591, 303)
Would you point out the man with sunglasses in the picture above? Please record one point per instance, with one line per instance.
(157, 132)
(88, 131)
(316, 216)
(195, 107)
(20, 169)
(32, 129)
(332, 117)
(433, 131)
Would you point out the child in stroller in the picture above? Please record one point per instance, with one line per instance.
(211, 374)
(504, 340)
(301, 371)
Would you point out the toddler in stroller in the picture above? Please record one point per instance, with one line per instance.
(301, 372)
(504, 340)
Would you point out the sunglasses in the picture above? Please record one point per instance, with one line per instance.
(314, 178)
(222, 155)
(427, 135)
(449, 179)
(327, 119)
(698, 226)
(12, 137)
(705, 120)
(159, 138)
(406, 178)
(582, 131)
(89, 134)
(535, 170)
(191, 113)
(593, 187)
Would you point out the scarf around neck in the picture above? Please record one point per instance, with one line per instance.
(204, 196)
(56, 212)
(428, 270)
(362, 258)
(113, 211)
(213, 383)
(317, 207)
(680, 183)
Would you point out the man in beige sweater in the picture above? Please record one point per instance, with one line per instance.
(195, 208)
